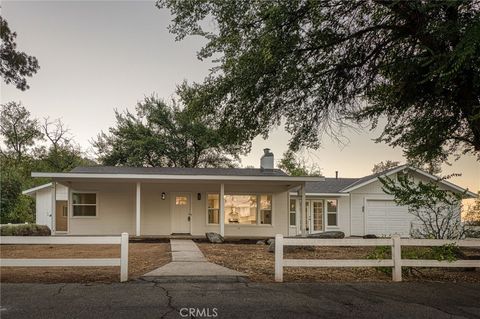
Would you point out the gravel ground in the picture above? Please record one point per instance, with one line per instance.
(143, 257)
(258, 263)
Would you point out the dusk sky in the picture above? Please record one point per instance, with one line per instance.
(99, 56)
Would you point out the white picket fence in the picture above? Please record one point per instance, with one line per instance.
(70, 240)
(396, 262)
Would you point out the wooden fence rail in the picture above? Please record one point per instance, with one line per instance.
(70, 240)
(396, 262)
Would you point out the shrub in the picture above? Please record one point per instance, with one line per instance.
(25, 230)
(448, 252)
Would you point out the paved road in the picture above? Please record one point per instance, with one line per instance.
(143, 299)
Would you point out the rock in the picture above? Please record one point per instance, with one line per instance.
(289, 249)
(260, 242)
(214, 238)
(271, 246)
(370, 236)
(328, 235)
(269, 241)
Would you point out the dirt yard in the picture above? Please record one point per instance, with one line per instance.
(258, 263)
(143, 257)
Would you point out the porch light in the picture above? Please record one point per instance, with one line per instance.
(199, 196)
(163, 195)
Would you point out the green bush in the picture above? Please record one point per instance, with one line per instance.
(25, 230)
(449, 252)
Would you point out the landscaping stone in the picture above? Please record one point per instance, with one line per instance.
(269, 241)
(260, 242)
(214, 238)
(328, 235)
(370, 236)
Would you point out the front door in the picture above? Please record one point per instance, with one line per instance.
(315, 216)
(181, 214)
(61, 215)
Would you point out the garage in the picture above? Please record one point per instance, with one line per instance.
(385, 218)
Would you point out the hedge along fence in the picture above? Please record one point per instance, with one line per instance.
(70, 240)
(24, 230)
(396, 262)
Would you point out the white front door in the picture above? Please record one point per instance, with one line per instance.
(181, 213)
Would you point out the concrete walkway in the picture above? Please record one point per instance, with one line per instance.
(189, 264)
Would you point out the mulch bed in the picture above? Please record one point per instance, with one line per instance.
(143, 257)
(258, 264)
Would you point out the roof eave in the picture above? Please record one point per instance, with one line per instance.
(176, 177)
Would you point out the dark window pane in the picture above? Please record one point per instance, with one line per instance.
(332, 219)
(84, 198)
(293, 219)
(84, 210)
(266, 217)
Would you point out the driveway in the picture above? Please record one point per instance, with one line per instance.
(142, 299)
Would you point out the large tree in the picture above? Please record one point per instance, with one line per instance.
(19, 131)
(295, 165)
(165, 135)
(412, 66)
(15, 65)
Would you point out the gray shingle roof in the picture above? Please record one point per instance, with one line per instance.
(330, 185)
(177, 171)
(371, 176)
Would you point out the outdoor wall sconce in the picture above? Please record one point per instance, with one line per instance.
(163, 195)
(199, 196)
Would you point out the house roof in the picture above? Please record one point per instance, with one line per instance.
(33, 190)
(372, 177)
(177, 171)
(226, 175)
(330, 185)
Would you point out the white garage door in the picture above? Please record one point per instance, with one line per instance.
(385, 218)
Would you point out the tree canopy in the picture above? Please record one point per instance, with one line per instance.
(295, 165)
(24, 150)
(165, 135)
(15, 66)
(410, 66)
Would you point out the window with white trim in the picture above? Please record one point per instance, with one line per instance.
(293, 212)
(244, 209)
(84, 204)
(213, 201)
(332, 210)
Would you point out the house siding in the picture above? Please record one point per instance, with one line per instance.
(116, 209)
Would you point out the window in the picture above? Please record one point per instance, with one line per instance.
(332, 208)
(181, 200)
(266, 209)
(293, 212)
(84, 204)
(213, 208)
(241, 209)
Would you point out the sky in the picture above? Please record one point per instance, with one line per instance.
(98, 56)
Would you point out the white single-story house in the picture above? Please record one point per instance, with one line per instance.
(235, 202)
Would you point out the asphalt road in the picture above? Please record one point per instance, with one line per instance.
(240, 300)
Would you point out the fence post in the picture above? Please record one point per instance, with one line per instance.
(278, 258)
(124, 257)
(397, 258)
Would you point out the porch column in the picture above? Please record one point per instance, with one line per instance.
(137, 211)
(54, 208)
(303, 216)
(222, 209)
